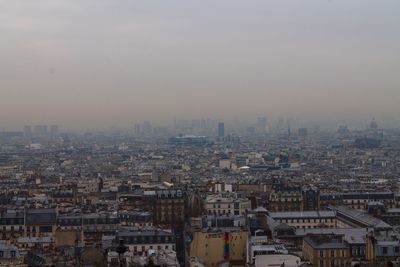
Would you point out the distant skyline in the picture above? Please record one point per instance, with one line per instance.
(100, 63)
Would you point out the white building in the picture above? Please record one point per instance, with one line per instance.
(221, 205)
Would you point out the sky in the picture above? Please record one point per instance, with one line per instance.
(107, 63)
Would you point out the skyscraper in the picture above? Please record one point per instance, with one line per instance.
(27, 132)
(373, 124)
(54, 131)
(137, 129)
(147, 129)
(221, 129)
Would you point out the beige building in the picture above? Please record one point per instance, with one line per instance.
(326, 250)
(257, 188)
(215, 247)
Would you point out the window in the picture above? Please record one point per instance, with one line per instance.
(12, 253)
(321, 263)
(332, 253)
(384, 250)
(396, 249)
(1, 254)
(321, 253)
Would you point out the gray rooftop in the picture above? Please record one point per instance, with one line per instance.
(303, 214)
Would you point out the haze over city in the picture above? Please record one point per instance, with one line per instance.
(97, 63)
(200, 133)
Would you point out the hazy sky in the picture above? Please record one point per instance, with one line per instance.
(100, 63)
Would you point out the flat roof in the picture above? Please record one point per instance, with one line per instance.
(303, 214)
(351, 235)
(277, 260)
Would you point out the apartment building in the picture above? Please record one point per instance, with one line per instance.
(139, 242)
(226, 205)
(326, 250)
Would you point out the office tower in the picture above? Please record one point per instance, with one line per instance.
(147, 128)
(54, 130)
(136, 129)
(203, 124)
(27, 132)
(221, 129)
(373, 124)
(281, 124)
(40, 130)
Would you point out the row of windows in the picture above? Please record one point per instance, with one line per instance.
(333, 253)
(315, 226)
(236, 212)
(12, 228)
(88, 221)
(385, 250)
(135, 217)
(148, 239)
(358, 251)
(177, 201)
(286, 200)
(12, 254)
(8, 221)
(306, 220)
(333, 263)
(143, 248)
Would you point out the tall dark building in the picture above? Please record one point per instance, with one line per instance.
(54, 129)
(221, 129)
(373, 124)
(28, 132)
